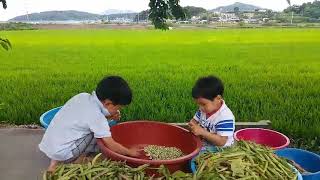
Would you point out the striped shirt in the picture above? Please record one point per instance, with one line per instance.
(222, 123)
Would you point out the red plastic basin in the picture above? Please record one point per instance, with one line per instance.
(142, 133)
(266, 137)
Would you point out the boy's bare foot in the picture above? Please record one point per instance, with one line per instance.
(80, 159)
(52, 166)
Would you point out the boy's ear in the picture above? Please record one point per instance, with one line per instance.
(219, 98)
(106, 102)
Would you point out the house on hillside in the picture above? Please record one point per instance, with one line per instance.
(248, 14)
(228, 17)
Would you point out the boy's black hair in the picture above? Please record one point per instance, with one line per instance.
(207, 87)
(114, 88)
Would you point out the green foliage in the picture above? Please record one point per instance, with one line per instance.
(310, 9)
(4, 4)
(15, 26)
(159, 13)
(193, 11)
(241, 24)
(143, 15)
(5, 44)
(268, 73)
(176, 10)
(161, 10)
(312, 144)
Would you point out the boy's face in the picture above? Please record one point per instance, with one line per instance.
(208, 106)
(113, 109)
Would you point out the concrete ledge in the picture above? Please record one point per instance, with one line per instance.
(239, 125)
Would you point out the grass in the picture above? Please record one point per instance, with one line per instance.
(268, 73)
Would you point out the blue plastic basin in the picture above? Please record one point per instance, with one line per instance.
(193, 165)
(307, 160)
(46, 117)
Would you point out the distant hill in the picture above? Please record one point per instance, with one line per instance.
(115, 14)
(57, 16)
(241, 6)
(193, 11)
(70, 16)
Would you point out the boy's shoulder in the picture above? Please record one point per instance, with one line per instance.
(84, 104)
(81, 95)
(80, 100)
(226, 113)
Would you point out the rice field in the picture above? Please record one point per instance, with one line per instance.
(269, 74)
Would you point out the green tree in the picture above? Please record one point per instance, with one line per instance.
(161, 10)
(141, 16)
(310, 10)
(4, 4)
(193, 11)
(269, 14)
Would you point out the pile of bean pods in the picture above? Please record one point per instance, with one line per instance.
(105, 169)
(245, 160)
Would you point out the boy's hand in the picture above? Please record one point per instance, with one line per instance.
(116, 116)
(134, 152)
(196, 129)
(116, 147)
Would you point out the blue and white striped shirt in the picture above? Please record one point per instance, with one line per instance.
(222, 122)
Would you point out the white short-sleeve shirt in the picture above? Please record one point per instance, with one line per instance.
(80, 116)
(222, 122)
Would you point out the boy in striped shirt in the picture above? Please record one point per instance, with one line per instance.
(214, 121)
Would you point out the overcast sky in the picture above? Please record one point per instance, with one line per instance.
(20, 7)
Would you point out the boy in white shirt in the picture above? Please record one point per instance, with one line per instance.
(214, 121)
(73, 130)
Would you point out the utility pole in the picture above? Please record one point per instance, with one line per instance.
(26, 8)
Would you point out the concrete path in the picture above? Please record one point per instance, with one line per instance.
(20, 157)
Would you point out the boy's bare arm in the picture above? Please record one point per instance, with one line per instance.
(213, 138)
(193, 121)
(116, 147)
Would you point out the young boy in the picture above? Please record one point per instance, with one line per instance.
(73, 131)
(214, 121)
